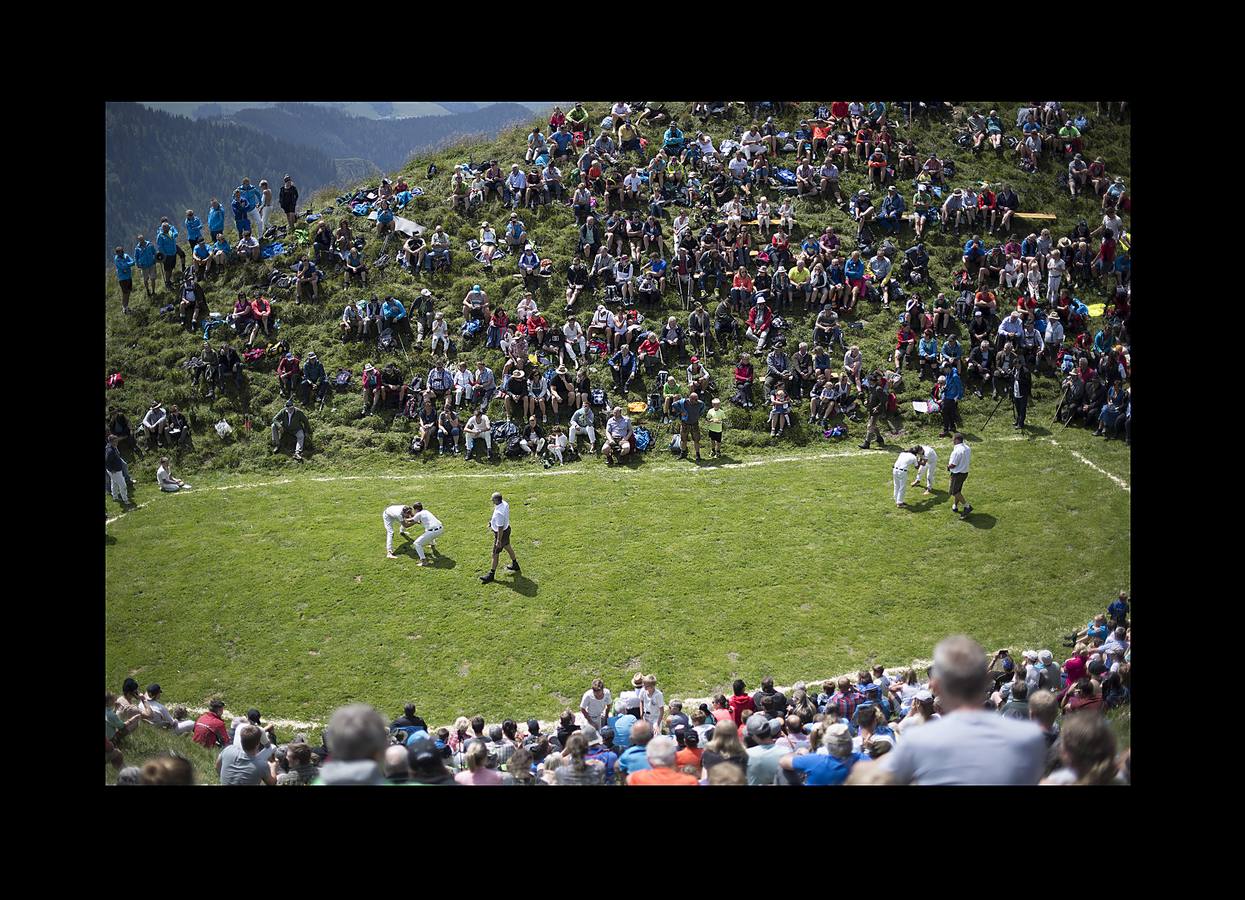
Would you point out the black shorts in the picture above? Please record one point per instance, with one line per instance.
(957, 481)
(501, 538)
(127, 285)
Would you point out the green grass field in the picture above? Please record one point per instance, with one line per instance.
(276, 592)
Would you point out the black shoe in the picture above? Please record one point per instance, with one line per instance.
(485, 579)
(514, 568)
(864, 446)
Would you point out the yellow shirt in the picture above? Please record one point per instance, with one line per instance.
(799, 276)
(716, 416)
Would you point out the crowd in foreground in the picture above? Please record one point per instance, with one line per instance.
(973, 720)
(659, 210)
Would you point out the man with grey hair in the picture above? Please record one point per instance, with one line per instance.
(661, 752)
(763, 758)
(968, 744)
(635, 758)
(357, 738)
(829, 768)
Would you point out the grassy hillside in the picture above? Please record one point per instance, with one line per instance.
(149, 351)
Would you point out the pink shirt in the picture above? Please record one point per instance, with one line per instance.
(478, 777)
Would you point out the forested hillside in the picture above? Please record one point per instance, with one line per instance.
(160, 164)
(388, 143)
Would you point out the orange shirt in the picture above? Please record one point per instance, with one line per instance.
(688, 757)
(661, 776)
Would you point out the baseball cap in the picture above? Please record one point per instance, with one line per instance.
(759, 726)
(923, 696)
(591, 735)
(420, 748)
(153, 689)
(252, 715)
(1031, 655)
(533, 726)
(427, 293)
(1045, 656)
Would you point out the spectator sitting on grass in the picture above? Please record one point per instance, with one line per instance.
(243, 763)
(634, 758)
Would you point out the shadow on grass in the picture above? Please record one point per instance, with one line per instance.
(938, 497)
(109, 540)
(981, 520)
(520, 584)
(723, 460)
(440, 561)
(1037, 430)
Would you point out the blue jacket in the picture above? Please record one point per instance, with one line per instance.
(216, 219)
(145, 255)
(893, 205)
(240, 208)
(252, 194)
(955, 387)
(194, 229)
(167, 243)
(393, 309)
(124, 263)
(854, 268)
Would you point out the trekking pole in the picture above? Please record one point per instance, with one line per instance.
(1060, 404)
(993, 411)
(402, 344)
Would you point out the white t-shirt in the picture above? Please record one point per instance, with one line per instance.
(596, 708)
(428, 520)
(1054, 269)
(905, 461)
(501, 517)
(162, 476)
(960, 455)
(931, 455)
(394, 512)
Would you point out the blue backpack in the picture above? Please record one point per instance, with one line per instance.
(786, 176)
(643, 439)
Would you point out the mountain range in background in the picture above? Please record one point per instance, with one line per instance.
(367, 109)
(162, 161)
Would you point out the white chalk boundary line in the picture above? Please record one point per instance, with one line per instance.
(692, 703)
(772, 460)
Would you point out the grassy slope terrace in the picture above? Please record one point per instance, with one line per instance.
(149, 351)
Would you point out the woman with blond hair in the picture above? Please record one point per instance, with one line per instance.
(478, 773)
(573, 768)
(725, 747)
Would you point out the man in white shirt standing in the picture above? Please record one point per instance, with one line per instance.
(927, 460)
(432, 530)
(596, 703)
(957, 465)
(402, 517)
(906, 460)
(499, 524)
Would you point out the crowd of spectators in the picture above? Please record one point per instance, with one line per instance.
(718, 214)
(1007, 720)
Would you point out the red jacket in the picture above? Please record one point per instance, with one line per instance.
(744, 373)
(838, 109)
(210, 731)
(261, 307)
(288, 366)
(738, 705)
(986, 200)
(767, 317)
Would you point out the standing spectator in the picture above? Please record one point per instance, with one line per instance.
(114, 465)
(740, 702)
(594, 704)
(957, 465)
(968, 744)
(125, 277)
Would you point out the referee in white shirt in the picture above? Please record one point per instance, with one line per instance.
(499, 524)
(432, 530)
(958, 467)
